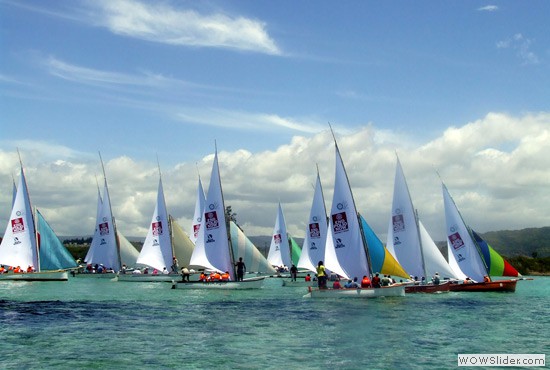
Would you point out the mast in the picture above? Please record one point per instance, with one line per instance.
(365, 245)
(111, 211)
(36, 249)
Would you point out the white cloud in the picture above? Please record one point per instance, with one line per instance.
(496, 168)
(163, 23)
(522, 46)
(488, 8)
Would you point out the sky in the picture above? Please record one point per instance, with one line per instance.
(455, 88)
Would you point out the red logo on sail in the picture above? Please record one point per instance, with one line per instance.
(157, 228)
(17, 225)
(211, 220)
(196, 229)
(314, 231)
(104, 228)
(398, 223)
(456, 241)
(277, 238)
(340, 223)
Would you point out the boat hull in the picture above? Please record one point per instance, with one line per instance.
(389, 291)
(492, 286)
(250, 283)
(147, 278)
(428, 288)
(107, 275)
(37, 276)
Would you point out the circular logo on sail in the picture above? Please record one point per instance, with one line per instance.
(453, 228)
(18, 213)
(212, 206)
(340, 206)
(315, 218)
(104, 219)
(158, 218)
(398, 211)
(199, 219)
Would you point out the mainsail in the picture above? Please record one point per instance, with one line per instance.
(313, 249)
(128, 253)
(181, 243)
(157, 247)
(345, 252)
(104, 247)
(19, 247)
(197, 217)
(279, 250)
(212, 249)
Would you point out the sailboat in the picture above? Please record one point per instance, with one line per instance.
(254, 260)
(157, 251)
(411, 244)
(465, 253)
(279, 249)
(346, 252)
(24, 243)
(213, 249)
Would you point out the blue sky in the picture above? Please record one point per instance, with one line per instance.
(136, 80)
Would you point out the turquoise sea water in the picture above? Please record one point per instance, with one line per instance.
(97, 323)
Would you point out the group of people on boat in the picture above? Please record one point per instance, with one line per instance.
(15, 270)
(214, 277)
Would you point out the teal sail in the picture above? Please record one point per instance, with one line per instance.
(53, 254)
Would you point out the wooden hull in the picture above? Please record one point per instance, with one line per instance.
(390, 291)
(428, 288)
(492, 286)
(37, 276)
(250, 283)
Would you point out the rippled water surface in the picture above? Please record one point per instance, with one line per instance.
(98, 323)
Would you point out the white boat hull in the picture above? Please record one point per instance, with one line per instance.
(390, 291)
(147, 278)
(250, 283)
(107, 275)
(37, 276)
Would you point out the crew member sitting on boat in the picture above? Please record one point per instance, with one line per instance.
(215, 276)
(486, 279)
(202, 277)
(336, 284)
(385, 281)
(2, 269)
(165, 271)
(468, 281)
(225, 276)
(376, 281)
(365, 283)
(436, 280)
(17, 270)
(353, 284)
(307, 278)
(185, 275)
(30, 269)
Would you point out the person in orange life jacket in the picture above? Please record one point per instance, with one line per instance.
(365, 283)
(307, 278)
(202, 277)
(486, 279)
(336, 284)
(17, 270)
(225, 276)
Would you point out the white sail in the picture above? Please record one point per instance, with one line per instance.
(243, 247)
(197, 217)
(18, 247)
(313, 248)
(462, 249)
(128, 253)
(157, 247)
(279, 249)
(403, 234)
(104, 249)
(345, 252)
(212, 249)
(434, 260)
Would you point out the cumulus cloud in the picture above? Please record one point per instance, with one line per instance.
(522, 46)
(496, 168)
(163, 23)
